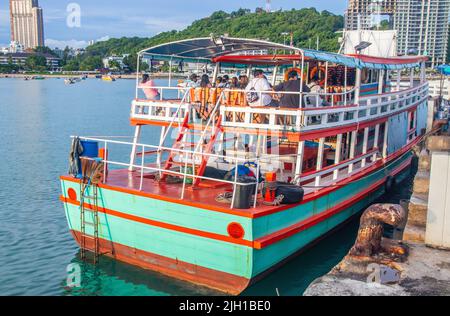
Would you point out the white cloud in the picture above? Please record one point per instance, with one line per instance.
(52, 43)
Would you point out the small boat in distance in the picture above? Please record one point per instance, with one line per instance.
(69, 81)
(38, 78)
(108, 78)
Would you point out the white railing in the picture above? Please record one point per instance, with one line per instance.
(311, 117)
(184, 174)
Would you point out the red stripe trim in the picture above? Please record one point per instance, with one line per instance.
(316, 219)
(150, 222)
(260, 242)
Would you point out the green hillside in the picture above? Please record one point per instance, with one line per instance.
(306, 25)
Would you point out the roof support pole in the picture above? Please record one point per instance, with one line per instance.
(337, 156)
(380, 81)
(345, 85)
(275, 72)
(170, 72)
(299, 162)
(352, 149)
(215, 73)
(137, 135)
(365, 145)
(375, 141)
(422, 72)
(411, 78)
(357, 85)
(399, 78)
(385, 139)
(320, 159)
(301, 79)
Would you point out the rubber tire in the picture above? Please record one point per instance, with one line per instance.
(390, 182)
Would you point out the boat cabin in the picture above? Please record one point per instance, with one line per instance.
(354, 112)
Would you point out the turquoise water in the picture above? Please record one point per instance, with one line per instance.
(37, 119)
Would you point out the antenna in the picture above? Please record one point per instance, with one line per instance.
(268, 6)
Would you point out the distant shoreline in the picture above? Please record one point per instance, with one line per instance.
(63, 76)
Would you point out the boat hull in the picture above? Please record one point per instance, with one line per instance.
(193, 244)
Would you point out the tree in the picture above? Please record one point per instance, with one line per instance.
(114, 64)
(91, 63)
(36, 63)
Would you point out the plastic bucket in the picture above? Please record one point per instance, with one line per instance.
(90, 148)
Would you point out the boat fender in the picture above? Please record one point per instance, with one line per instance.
(390, 182)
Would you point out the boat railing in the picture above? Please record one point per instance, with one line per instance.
(184, 173)
(310, 116)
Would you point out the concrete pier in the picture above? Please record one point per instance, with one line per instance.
(424, 267)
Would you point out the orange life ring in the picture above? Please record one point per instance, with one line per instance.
(314, 72)
(299, 72)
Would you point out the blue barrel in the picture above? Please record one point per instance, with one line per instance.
(90, 148)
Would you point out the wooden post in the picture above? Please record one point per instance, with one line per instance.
(337, 157)
(320, 159)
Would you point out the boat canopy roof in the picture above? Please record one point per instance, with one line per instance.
(226, 50)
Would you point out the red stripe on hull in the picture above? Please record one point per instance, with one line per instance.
(218, 280)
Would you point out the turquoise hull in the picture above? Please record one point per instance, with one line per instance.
(192, 243)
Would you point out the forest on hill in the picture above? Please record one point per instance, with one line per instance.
(305, 24)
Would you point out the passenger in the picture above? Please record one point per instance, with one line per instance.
(258, 84)
(315, 100)
(225, 82)
(292, 85)
(205, 83)
(218, 82)
(147, 85)
(234, 84)
(243, 82)
(193, 81)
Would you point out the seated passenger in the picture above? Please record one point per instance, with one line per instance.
(243, 82)
(258, 84)
(205, 83)
(292, 85)
(147, 85)
(225, 82)
(315, 99)
(234, 84)
(218, 82)
(193, 81)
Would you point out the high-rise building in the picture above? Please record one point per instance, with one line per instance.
(27, 26)
(422, 25)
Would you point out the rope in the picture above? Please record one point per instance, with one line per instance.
(276, 202)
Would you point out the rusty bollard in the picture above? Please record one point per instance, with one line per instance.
(370, 234)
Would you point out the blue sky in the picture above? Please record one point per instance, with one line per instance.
(102, 19)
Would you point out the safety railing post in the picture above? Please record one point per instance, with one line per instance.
(142, 168)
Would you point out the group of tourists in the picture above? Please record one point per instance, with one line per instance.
(258, 91)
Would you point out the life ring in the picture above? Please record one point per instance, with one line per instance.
(314, 72)
(298, 70)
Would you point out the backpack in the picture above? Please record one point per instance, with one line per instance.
(252, 96)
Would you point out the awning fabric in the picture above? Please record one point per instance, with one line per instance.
(211, 50)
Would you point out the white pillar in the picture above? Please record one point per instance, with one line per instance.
(399, 77)
(385, 139)
(375, 141)
(357, 85)
(299, 161)
(137, 134)
(320, 159)
(365, 144)
(337, 157)
(352, 149)
(411, 78)
(380, 82)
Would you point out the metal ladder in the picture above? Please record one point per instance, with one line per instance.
(85, 189)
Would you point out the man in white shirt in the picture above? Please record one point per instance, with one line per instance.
(257, 84)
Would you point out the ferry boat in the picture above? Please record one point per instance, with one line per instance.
(231, 191)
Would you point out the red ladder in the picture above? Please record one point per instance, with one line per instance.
(181, 143)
